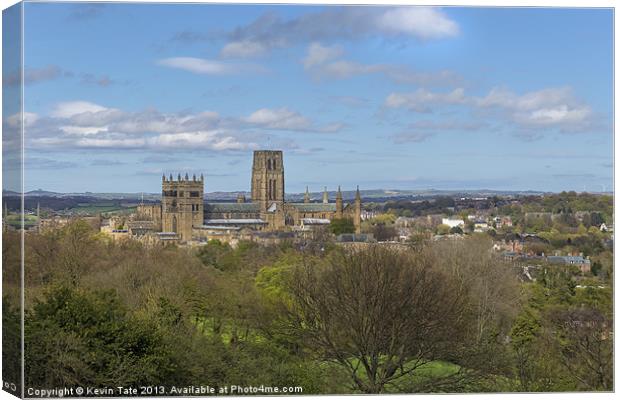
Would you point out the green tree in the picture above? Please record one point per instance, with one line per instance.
(442, 229)
(78, 337)
(341, 225)
(456, 229)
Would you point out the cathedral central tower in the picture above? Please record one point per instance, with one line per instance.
(267, 178)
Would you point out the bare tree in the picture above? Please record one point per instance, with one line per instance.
(584, 339)
(492, 284)
(381, 313)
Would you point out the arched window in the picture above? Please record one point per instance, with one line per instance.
(274, 164)
(174, 223)
(268, 163)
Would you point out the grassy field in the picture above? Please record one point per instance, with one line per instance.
(429, 371)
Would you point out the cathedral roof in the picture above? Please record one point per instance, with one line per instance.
(233, 221)
(314, 207)
(232, 207)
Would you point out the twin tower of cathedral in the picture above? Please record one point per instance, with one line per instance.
(183, 209)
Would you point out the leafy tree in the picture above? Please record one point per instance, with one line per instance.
(341, 225)
(442, 229)
(596, 219)
(384, 232)
(213, 252)
(456, 229)
(77, 337)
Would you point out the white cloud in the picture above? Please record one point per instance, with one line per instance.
(208, 67)
(347, 69)
(243, 49)
(448, 125)
(421, 22)
(412, 137)
(318, 54)
(562, 114)
(421, 100)
(127, 143)
(212, 140)
(82, 130)
(14, 121)
(281, 118)
(82, 124)
(320, 62)
(547, 108)
(285, 119)
(270, 31)
(71, 108)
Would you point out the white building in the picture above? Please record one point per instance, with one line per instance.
(452, 222)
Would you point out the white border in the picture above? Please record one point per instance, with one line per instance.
(445, 3)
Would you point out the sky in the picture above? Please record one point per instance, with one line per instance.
(381, 97)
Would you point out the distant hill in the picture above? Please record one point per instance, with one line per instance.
(103, 201)
(350, 194)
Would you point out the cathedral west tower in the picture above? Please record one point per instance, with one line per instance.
(268, 178)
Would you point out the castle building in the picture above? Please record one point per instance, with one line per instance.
(184, 212)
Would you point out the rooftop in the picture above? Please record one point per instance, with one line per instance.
(315, 221)
(314, 207)
(232, 221)
(232, 207)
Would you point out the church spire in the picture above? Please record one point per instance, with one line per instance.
(307, 196)
(357, 194)
(339, 207)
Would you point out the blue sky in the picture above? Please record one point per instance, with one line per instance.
(401, 97)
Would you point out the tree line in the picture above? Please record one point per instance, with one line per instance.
(430, 317)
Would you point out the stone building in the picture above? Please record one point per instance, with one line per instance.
(184, 211)
(182, 205)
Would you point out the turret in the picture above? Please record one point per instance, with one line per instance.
(325, 198)
(307, 196)
(339, 203)
(163, 177)
(186, 176)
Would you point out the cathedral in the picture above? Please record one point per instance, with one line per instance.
(183, 211)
